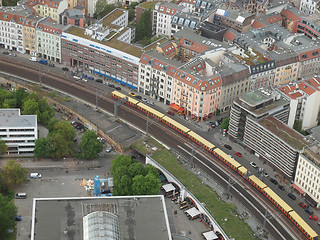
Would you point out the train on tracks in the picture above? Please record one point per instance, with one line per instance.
(308, 232)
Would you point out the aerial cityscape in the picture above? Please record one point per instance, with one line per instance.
(182, 119)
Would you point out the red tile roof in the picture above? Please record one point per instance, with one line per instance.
(196, 47)
(274, 19)
(258, 24)
(290, 15)
(5, 16)
(229, 35)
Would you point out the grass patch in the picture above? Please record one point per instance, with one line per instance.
(234, 227)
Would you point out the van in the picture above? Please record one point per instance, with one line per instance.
(20, 196)
(33, 59)
(35, 175)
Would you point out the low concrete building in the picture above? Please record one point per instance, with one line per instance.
(18, 131)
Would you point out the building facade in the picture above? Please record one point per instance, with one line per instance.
(18, 131)
(309, 7)
(47, 8)
(73, 17)
(29, 35)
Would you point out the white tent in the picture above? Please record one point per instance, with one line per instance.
(210, 235)
(193, 212)
(168, 187)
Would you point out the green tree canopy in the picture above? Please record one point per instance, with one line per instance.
(42, 148)
(130, 177)
(7, 215)
(144, 26)
(13, 174)
(3, 147)
(103, 8)
(65, 129)
(225, 123)
(90, 145)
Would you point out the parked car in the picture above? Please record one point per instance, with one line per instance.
(43, 61)
(76, 77)
(20, 196)
(150, 102)
(65, 69)
(309, 211)
(109, 149)
(290, 195)
(275, 182)
(91, 78)
(5, 53)
(313, 217)
(35, 175)
(144, 100)
(33, 59)
(99, 80)
(132, 94)
(111, 85)
(118, 88)
(138, 97)
(238, 154)
(51, 65)
(84, 75)
(254, 165)
(170, 113)
(281, 187)
(265, 174)
(301, 204)
(228, 146)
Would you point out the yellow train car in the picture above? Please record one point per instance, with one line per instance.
(131, 101)
(118, 95)
(303, 226)
(242, 171)
(149, 110)
(201, 141)
(226, 158)
(276, 200)
(175, 125)
(257, 183)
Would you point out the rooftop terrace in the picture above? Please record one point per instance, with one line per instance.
(148, 5)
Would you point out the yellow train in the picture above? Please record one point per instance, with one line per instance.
(231, 162)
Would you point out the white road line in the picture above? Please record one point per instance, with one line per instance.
(262, 214)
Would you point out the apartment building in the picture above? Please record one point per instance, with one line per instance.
(29, 34)
(18, 131)
(190, 4)
(104, 49)
(11, 25)
(307, 176)
(210, 30)
(309, 7)
(163, 14)
(251, 6)
(73, 17)
(258, 122)
(47, 8)
(304, 97)
(184, 20)
(267, 20)
(49, 39)
(239, 21)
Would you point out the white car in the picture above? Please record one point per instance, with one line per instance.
(33, 59)
(76, 77)
(254, 165)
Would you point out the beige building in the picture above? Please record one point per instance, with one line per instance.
(29, 35)
(47, 8)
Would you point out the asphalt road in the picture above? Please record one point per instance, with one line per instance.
(85, 92)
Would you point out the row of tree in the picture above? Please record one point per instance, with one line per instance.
(130, 177)
(12, 175)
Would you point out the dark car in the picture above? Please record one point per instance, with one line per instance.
(281, 187)
(51, 65)
(138, 97)
(111, 85)
(99, 80)
(309, 211)
(84, 75)
(118, 88)
(290, 195)
(91, 78)
(18, 218)
(274, 181)
(228, 146)
(65, 69)
(5, 53)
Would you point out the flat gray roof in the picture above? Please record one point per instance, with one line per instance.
(140, 217)
(11, 118)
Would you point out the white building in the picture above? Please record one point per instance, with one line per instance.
(308, 7)
(304, 99)
(163, 14)
(307, 177)
(18, 131)
(11, 28)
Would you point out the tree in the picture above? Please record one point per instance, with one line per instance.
(131, 11)
(42, 148)
(3, 147)
(30, 107)
(65, 129)
(13, 174)
(10, 103)
(144, 26)
(60, 146)
(7, 215)
(103, 8)
(130, 177)
(90, 145)
(225, 123)
(20, 96)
